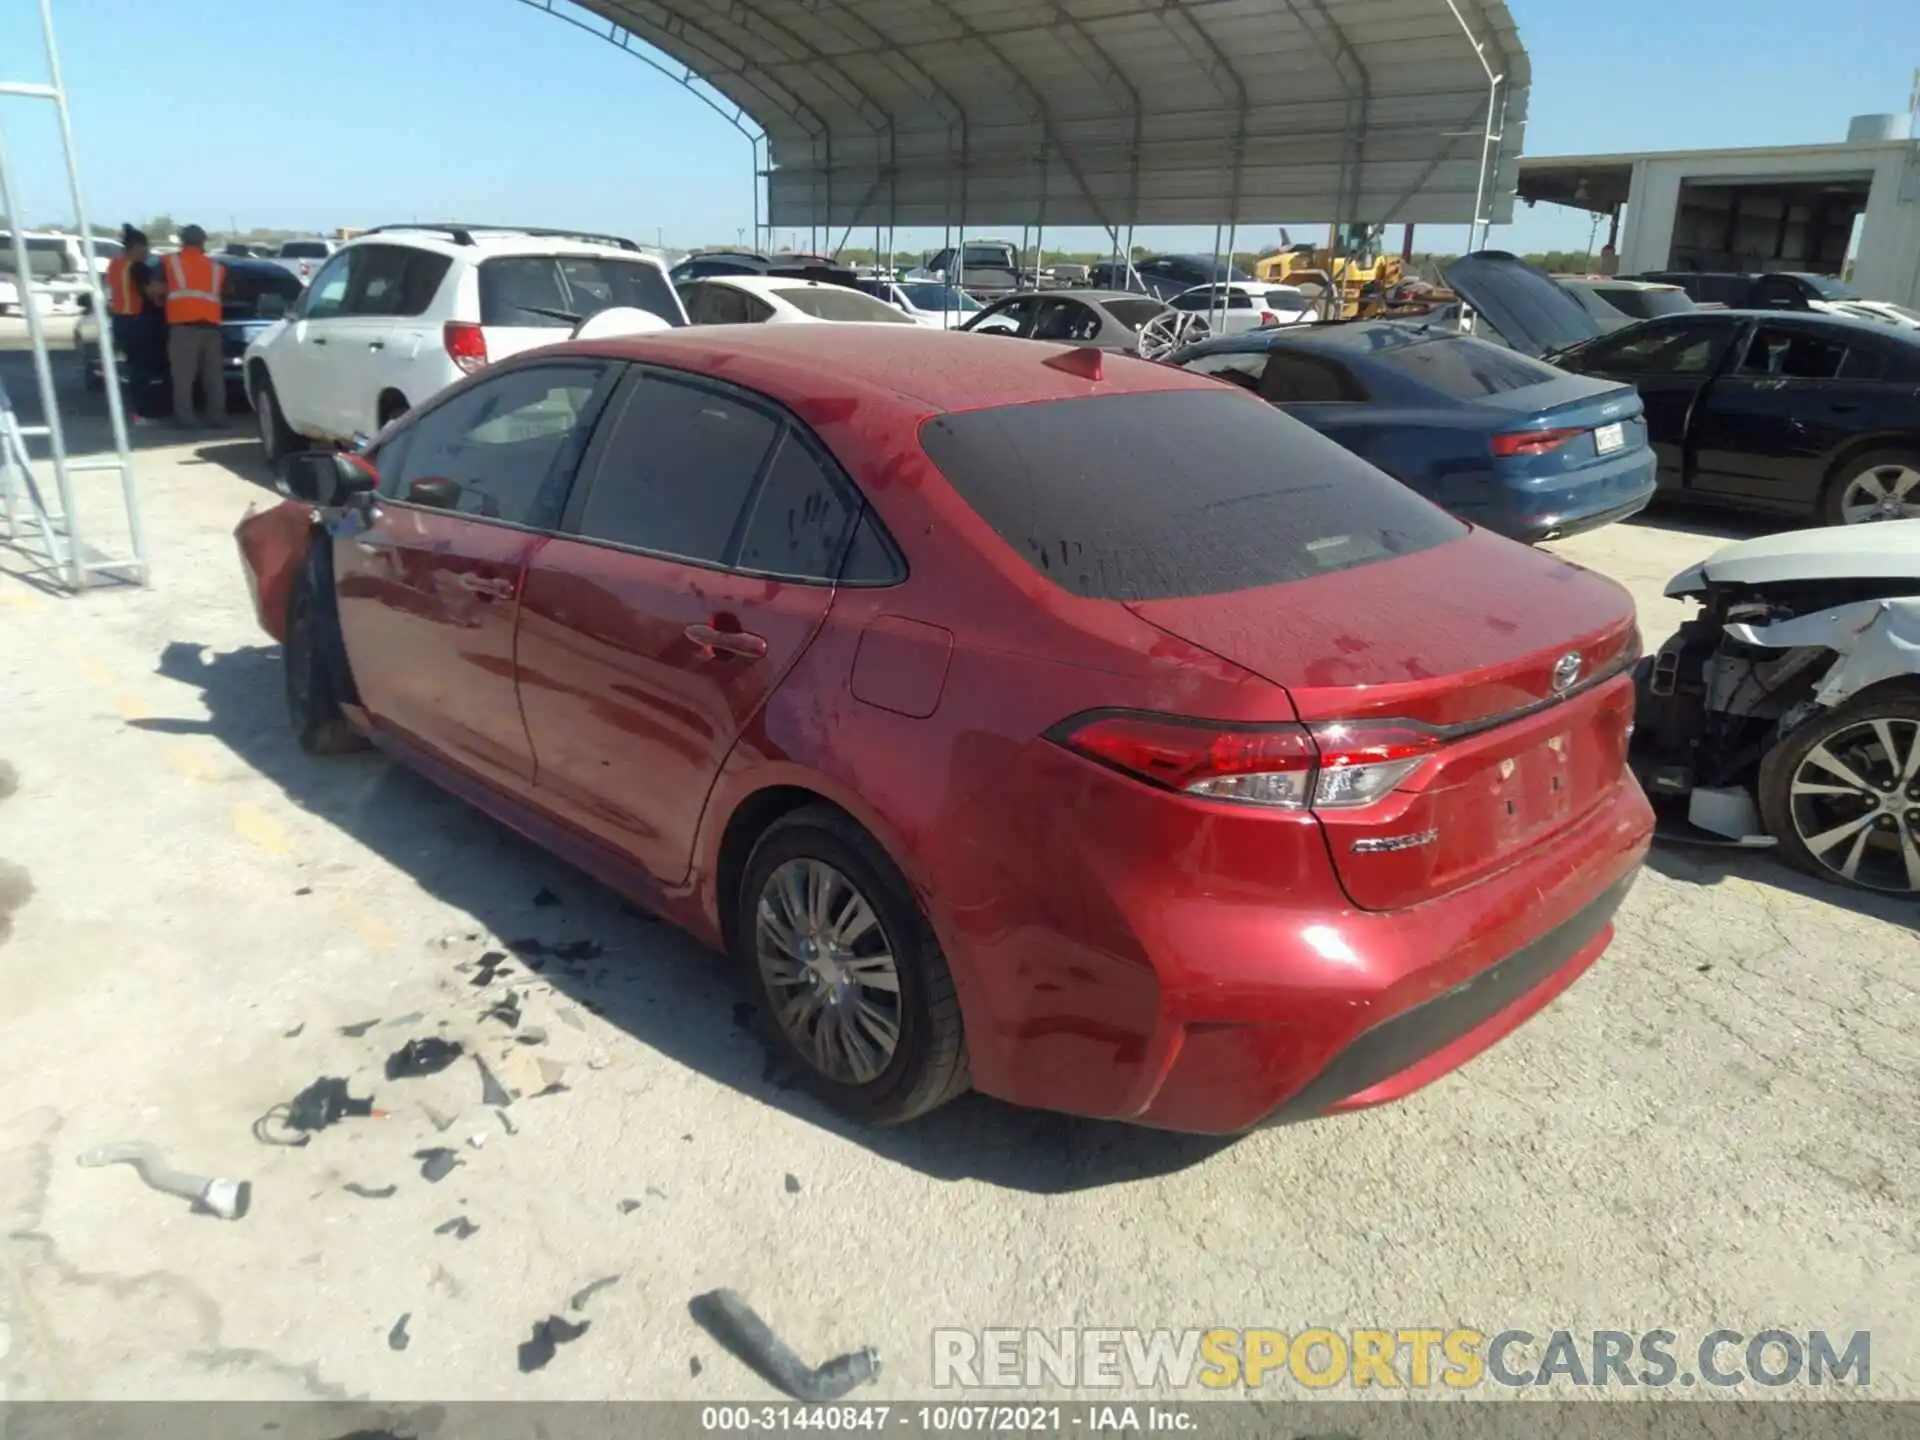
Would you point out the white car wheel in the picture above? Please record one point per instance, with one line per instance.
(1172, 331)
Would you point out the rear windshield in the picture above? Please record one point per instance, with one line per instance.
(1464, 368)
(1645, 304)
(836, 302)
(262, 294)
(1170, 494)
(1133, 313)
(556, 292)
(304, 250)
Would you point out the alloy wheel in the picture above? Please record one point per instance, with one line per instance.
(1882, 492)
(1855, 802)
(829, 969)
(1171, 331)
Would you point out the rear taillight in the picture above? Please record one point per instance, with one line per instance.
(1532, 442)
(1336, 765)
(1267, 317)
(466, 345)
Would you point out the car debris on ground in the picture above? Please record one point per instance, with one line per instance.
(727, 1317)
(437, 1163)
(215, 1195)
(548, 1334)
(428, 1055)
(459, 1227)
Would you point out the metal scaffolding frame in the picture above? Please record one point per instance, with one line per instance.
(1109, 113)
(69, 556)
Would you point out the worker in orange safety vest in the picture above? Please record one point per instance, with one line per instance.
(132, 319)
(195, 281)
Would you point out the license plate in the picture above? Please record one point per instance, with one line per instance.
(1609, 438)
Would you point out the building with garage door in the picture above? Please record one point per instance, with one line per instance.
(1790, 207)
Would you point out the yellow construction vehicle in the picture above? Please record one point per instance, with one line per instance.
(1357, 279)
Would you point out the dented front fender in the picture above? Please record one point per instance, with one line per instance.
(273, 546)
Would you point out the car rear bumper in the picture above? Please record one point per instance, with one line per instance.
(1194, 999)
(1554, 504)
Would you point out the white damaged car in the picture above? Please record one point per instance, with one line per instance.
(1787, 712)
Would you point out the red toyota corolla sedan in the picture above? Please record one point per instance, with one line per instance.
(1072, 728)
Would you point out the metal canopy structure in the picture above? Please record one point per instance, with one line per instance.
(1106, 113)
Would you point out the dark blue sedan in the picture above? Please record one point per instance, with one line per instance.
(1495, 436)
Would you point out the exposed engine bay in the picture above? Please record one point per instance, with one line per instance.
(1787, 712)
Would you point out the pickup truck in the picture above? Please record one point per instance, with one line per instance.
(304, 257)
(991, 270)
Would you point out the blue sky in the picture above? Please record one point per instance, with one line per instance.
(313, 114)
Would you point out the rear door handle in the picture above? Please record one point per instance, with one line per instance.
(316, 339)
(730, 642)
(376, 345)
(486, 587)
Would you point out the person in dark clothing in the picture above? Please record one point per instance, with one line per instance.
(132, 313)
(145, 346)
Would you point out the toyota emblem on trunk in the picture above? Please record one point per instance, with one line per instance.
(1566, 670)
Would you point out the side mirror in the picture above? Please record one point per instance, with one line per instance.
(435, 492)
(328, 478)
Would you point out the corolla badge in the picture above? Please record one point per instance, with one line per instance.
(1566, 670)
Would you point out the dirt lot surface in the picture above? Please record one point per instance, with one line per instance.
(1715, 1129)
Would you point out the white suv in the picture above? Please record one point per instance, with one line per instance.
(403, 311)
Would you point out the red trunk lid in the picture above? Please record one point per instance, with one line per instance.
(1465, 636)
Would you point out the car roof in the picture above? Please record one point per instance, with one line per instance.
(1360, 337)
(1099, 296)
(808, 367)
(1594, 282)
(251, 265)
(489, 243)
(771, 284)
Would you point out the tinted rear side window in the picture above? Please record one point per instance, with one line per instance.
(1133, 313)
(1158, 496)
(1466, 369)
(799, 520)
(262, 294)
(304, 250)
(678, 467)
(832, 302)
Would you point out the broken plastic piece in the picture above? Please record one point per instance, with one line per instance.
(579, 950)
(556, 1088)
(548, 1334)
(488, 967)
(228, 1199)
(507, 1012)
(412, 1017)
(477, 1139)
(532, 1035)
(793, 1184)
(359, 1028)
(492, 1092)
(385, 1192)
(506, 1122)
(572, 1018)
(428, 1055)
(440, 1122)
(693, 1365)
(323, 1102)
(304, 890)
(731, 1321)
(579, 1298)
(293, 1033)
(436, 1164)
(627, 1207)
(543, 896)
(459, 1227)
(397, 1338)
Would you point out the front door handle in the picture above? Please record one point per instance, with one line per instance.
(486, 587)
(316, 339)
(376, 345)
(729, 642)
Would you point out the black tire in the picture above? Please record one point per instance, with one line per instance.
(313, 707)
(1880, 867)
(929, 1063)
(276, 438)
(1833, 497)
(392, 407)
